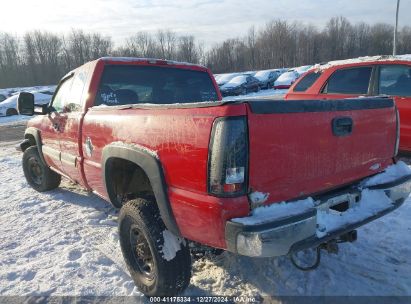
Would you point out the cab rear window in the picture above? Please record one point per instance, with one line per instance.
(133, 84)
(306, 82)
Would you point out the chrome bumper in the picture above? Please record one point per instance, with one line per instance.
(281, 236)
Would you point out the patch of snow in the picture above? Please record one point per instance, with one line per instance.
(371, 202)
(236, 81)
(390, 174)
(268, 94)
(258, 197)
(302, 69)
(265, 214)
(172, 244)
(287, 78)
(64, 243)
(406, 57)
(224, 78)
(10, 120)
(151, 60)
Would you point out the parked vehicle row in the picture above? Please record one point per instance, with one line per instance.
(267, 78)
(8, 106)
(233, 84)
(286, 80)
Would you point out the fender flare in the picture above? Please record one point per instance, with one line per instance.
(148, 161)
(37, 137)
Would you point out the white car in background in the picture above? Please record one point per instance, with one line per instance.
(225, 78)
(288, 78)
(8, 107)
(284, 81)
(302, 69)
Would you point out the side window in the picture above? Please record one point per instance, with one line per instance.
(395, 80)
(307, 81)
(349, 81)
(62, 94)
(73, 101)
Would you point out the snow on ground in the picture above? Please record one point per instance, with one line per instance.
(64, 242)
(11, 91)
(275, 94)
(9, 120)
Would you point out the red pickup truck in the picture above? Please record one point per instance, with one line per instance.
(257, 178)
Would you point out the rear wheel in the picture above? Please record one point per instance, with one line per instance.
(158, 261)
(11, 112)
(37, 174)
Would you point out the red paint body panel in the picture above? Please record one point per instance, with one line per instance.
(403, 103)
(307, 158)
(202, 217)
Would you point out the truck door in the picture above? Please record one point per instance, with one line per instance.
(395, 80)
(71, 118)
(51, 131)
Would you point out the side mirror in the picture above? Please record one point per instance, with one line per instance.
(25, 104)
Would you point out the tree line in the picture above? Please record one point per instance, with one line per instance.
(41, 57)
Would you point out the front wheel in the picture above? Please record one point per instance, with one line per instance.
(158, 261)
(37, 174)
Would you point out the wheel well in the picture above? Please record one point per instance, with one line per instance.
(31, 142)
(127, 180)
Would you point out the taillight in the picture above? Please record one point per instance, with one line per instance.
(397, 142)
(228, 157)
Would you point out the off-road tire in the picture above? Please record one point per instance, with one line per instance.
(11, 112)
(140, 218)
(37, 174)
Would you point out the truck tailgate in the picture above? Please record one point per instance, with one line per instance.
(298, 148)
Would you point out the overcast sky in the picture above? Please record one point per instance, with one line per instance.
(209, 20)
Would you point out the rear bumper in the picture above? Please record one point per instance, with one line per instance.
(283, 235)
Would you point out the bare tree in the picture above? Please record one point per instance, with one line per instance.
(167, 42)
(42, 57)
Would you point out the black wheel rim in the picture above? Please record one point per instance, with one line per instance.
(141, 253)
(35, 170)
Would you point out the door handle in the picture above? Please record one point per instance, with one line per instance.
(342, 126)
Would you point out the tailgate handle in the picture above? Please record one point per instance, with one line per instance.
(342, 126)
